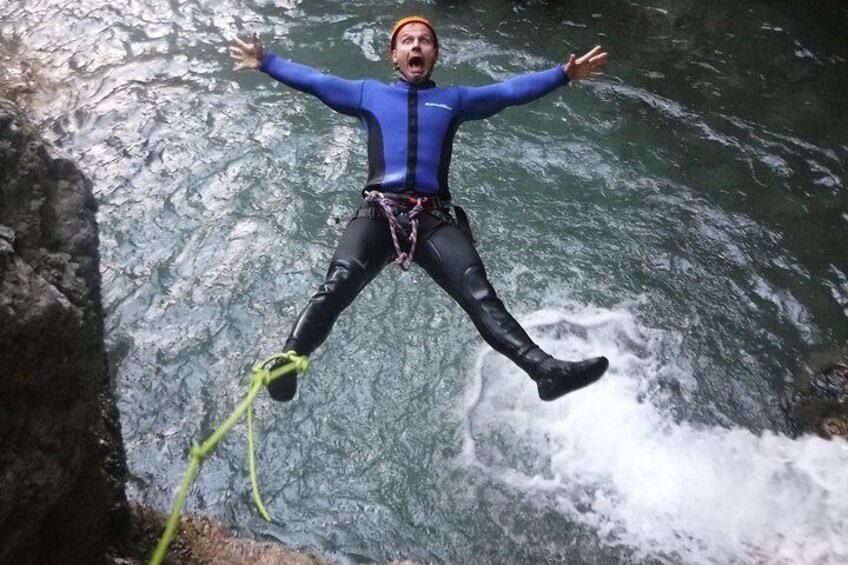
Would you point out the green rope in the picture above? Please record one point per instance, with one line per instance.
(260, 378)
(254, 484)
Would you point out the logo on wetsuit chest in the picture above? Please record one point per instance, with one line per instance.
(438, 105)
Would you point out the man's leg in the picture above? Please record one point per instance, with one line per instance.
(450, 258)
(364, 249)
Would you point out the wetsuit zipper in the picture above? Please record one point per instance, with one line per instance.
(412, 139)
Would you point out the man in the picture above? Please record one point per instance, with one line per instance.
(406, 215)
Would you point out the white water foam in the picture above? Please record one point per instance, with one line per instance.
(667, 491)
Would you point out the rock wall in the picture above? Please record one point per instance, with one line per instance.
(62, 463)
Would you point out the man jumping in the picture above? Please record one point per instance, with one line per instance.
(407, 215)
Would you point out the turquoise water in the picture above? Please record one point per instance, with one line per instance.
(686, 216)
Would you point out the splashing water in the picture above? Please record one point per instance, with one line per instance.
(619, 462)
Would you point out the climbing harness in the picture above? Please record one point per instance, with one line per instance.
(263, 373)
(391, 208)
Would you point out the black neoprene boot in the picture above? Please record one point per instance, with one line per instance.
(282, 389)
(556, 378)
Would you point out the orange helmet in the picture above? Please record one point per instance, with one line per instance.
(412, 20)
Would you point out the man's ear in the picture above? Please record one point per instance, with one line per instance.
(394, 56)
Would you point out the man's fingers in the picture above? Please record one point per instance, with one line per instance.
(592, 56)
(598, 60)
(594, 51)
(241, 43)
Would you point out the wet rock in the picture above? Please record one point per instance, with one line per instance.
(820, 402)
(200, 541)
(62, 459)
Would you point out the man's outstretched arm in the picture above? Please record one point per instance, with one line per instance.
(339, 94)
(485, 101)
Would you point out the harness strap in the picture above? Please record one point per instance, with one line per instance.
(391, 207)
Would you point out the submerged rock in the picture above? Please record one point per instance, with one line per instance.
(820, 403)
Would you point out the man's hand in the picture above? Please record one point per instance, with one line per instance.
(585, 66)
(247, 55)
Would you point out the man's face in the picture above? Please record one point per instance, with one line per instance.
(415, 52)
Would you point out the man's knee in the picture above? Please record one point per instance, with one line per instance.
(489, 315)
(344, 279)
(476, 286)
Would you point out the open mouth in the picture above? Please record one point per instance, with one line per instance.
(416, 63)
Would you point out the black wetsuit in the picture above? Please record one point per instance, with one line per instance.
(444, 250)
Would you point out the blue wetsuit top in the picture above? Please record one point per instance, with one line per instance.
(410, 127)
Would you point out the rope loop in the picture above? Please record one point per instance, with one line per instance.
(390, 210)
(301, 362)
(264, 374)
(260, 377)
